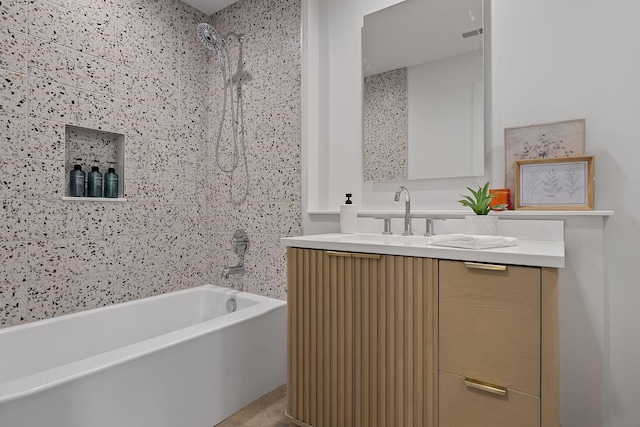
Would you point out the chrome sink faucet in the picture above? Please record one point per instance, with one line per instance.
(407, 209)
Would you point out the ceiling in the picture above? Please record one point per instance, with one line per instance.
(209, 6)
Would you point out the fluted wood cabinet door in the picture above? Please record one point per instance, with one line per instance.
(321, 338)
(395, 353)
(361, 346)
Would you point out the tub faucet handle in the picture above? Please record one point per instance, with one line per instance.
(240, 242)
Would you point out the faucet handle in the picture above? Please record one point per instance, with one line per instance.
(429, 228)
(387, 226)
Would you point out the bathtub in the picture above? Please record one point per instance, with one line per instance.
(175, 360)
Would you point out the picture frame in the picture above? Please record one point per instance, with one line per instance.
(555, 184)
(542, 141)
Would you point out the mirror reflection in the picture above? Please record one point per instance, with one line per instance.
(423, 110)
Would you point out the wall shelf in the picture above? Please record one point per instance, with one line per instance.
(451, 213)
(94, 148)
(94, 199)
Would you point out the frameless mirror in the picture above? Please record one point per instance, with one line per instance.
(423, 109)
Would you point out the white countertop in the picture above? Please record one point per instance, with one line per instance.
(540, 253)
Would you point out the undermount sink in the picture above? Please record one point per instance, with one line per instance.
(388, 239)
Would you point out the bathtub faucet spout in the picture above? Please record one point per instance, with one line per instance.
(236, 269)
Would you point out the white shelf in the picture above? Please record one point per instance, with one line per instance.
(374, 213)
(94, 199)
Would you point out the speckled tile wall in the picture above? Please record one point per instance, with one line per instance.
(269, 80)
(135, 67)
(385, 130)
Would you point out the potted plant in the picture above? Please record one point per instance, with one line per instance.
(480, 203)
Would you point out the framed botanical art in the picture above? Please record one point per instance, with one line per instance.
(555, 184)
(542, 141)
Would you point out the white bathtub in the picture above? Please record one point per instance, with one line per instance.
(174, 360)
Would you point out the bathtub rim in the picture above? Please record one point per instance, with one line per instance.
(53, 377)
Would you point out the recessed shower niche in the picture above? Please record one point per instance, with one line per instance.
(88, 148)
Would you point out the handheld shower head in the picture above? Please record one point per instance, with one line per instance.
(212, 40)
(209, 37)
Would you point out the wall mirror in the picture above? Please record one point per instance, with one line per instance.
(423, 96)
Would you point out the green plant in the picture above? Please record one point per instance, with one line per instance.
(480, 203)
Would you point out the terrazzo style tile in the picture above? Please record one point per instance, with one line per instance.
(89, 291)
(53, 23)
(47, 60)
(50, 259)
(46, 180)
(105, 10)
(141, 68)
(274, 122)
(48, 298)
(103, 112)
(13, 220)
(13, 93)
(276, 88)
(13, 135)
(277, 185)
(102, 39)
(158, 280)
(141, 152)
(145, 185)
(385, 119)
(84, 220)
(282, 152)
(96, 75)
(14, 257)
(87, 256)
(127, 85)
(47, 219)
(13, 14)
(188, 186)
(13, 178)
(13, 50)
(124, 218)
(67, 4)
(45, 140)
(13, 305)
(52, 101)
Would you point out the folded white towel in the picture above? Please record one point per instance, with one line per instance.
(472, 241)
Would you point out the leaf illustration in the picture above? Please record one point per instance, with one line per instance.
(551, 184)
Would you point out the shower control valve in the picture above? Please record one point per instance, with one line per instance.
(240, 242)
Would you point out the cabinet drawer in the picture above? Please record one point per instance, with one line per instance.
(490, 324)
(464, 406)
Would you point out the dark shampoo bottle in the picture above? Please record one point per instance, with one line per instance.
(111, 183)
(94, 183)
(76, 182)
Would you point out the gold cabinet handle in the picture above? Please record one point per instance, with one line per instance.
(481, 266)
(341, 254)
(353, 255)
(366, 256)
(481, 385)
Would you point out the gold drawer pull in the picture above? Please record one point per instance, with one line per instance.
(341, 254)
(481, 266)
(366, 256)
(489, 388)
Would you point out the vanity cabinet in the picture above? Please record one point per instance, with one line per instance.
(497, 345)
(361, 349)
(401, 341)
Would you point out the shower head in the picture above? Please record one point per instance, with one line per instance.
(212, 40)
(209, 37)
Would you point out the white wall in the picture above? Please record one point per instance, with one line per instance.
(441, 118)
(549, 60)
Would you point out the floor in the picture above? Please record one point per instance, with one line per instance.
(268, 411)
